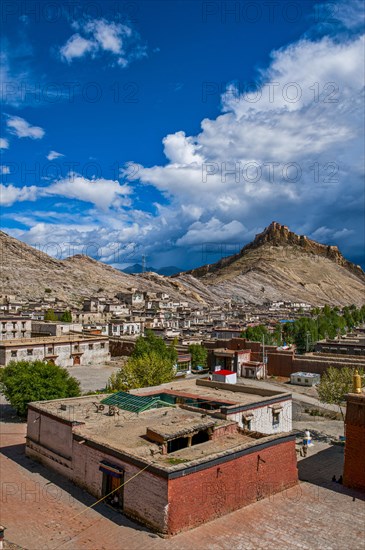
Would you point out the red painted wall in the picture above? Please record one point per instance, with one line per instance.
(354, 467)
(203, 496)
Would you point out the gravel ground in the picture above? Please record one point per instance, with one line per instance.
(93, 378)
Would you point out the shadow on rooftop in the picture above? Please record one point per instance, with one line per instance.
(17, 454)
(319, 468)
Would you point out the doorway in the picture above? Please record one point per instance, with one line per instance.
(113, 489)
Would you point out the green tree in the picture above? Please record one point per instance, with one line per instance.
(148, 369)
(334, 385)
(152, 343)
(66, 316)
(199, 355)
(50, 315)
(24, 381)
(256, 334)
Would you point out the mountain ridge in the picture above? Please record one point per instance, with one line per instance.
(276, 265)
(277, 234)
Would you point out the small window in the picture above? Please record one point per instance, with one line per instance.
(102, 346)
(306, 380)
(14, 353)
(29, 352)
(299, 379)
(275, 418)
(50, 350)
(91, 346)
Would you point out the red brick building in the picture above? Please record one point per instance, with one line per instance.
(169, 459)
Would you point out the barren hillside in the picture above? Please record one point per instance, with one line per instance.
(277, 265)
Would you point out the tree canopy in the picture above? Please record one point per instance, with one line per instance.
(50, 315)
(66, 316)
(152, 363)
(24, 381)
(148, 369)
(199, 355)
(335, 384)
(258, 334)
(152, 343)
(306, 331)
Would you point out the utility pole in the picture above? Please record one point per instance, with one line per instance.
(307, 342)
(263, 355)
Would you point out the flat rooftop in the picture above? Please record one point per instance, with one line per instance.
(126, 432)
(232, 394)
(67, 338)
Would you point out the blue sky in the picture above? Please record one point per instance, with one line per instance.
(180, 129)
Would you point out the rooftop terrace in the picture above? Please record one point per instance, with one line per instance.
(140, 435)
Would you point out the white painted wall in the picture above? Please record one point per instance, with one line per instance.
(262, 420)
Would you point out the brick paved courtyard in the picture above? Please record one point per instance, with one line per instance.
(41, 510)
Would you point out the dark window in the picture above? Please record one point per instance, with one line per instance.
(102, 346)
(246, 423)
(177, 444)
(275, 418)
(91, 346)
(29, 352)
(200, 437)
(14, 353)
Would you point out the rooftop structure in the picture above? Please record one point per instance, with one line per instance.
(171, 442)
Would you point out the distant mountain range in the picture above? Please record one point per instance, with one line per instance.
(168, 270)
(276, 265)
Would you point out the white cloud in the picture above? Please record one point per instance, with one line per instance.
(101, 192)
(77, 46)
(213, 231)
(321, 131)
(4, 143)
(97, 36)
(52, 155)
(181, 150)
(9, 194)
(22, 129)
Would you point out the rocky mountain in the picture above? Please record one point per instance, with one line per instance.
(32, 274)
(277, 265)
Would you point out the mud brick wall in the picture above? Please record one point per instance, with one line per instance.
(119, 348)
(225, 430)
(285, 363)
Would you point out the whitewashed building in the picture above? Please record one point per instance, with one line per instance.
(14, 327)
(65, 351)
(305, 378)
